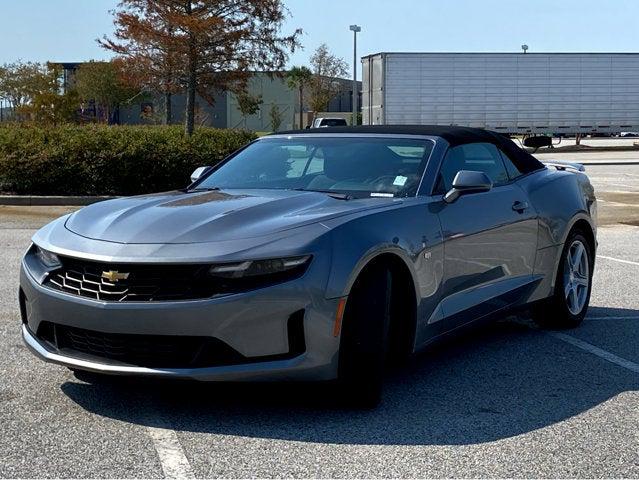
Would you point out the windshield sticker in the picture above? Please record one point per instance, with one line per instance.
(384, 195)
(400, 181)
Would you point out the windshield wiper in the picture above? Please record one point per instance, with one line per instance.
(202, 189)
(335, 195)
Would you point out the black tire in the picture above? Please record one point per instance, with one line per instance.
(364, 339)
(555, 312)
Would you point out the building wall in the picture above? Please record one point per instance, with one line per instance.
(274, 91)
(343, 101)
(7, 113)
(210, 115)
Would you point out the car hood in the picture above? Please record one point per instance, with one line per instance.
(199, 217)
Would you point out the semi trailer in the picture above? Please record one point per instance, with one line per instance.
(514, 93)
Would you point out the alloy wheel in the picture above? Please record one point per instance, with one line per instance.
(576, 277)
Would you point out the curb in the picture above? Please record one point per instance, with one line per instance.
(573, 149)
(49, 200)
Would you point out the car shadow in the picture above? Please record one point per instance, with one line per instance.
(489, 383)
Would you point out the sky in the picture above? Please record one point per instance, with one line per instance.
(66, 30)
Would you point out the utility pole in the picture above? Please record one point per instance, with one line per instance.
(355, 29)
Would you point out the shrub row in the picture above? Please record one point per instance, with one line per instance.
(103, 160)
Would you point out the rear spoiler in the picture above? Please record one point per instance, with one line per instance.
(559, 165)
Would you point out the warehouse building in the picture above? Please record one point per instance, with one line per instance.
(224, 112)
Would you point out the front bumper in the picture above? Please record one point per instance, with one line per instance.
(254, 324)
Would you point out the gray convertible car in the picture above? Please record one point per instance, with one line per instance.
(316, 255)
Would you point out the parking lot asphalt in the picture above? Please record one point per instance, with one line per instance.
(617, 188)
(503, 400)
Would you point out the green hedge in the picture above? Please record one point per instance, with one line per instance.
(103, 160)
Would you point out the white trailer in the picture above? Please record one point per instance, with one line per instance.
(552, 93)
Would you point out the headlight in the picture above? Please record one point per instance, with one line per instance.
(251, 274)
(49, 259)
(252, 268)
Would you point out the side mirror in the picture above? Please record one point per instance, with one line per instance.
(198, 172)
(468, 181)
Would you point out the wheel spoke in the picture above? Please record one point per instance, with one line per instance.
(577, 259)
(571, 264)
(579, 280)
(570, 299)
(580, 295)
(567, 290)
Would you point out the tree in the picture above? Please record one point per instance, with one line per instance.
(248, 104)
(206, 45)
(327, 68)
(145, 41)
(21, 82)
(300, 78)
(275, 115)
(34, 92)
(102, 83)
(54, 108)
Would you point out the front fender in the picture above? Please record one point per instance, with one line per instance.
(343, 280)
(411, 233)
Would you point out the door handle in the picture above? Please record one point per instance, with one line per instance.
(520, 207)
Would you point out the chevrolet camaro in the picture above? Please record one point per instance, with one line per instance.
(315, 255)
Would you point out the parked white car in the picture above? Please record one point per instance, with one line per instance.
(323, 122)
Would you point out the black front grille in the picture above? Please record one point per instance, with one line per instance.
(136, 283)
(153, 351)
(160, 351)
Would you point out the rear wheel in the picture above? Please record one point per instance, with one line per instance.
(364, 339)
(569, 303)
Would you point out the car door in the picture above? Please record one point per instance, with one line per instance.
(490, 238)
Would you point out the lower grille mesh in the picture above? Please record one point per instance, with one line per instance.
(161, 351)
(153, 351)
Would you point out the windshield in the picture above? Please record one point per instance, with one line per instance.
(361, 167)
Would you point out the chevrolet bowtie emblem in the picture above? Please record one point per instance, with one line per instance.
(114, 275)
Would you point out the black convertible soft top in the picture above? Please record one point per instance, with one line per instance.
(524, 161)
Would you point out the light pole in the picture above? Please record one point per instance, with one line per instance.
(355, 29)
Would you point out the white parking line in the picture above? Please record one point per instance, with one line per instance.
(172, 458)
(612, 317)
(618, 260)
(611, 357)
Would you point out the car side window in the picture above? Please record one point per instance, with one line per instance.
(513, 171)
(479, 157)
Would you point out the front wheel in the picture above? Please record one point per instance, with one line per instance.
(364, 339)
(569, 303)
